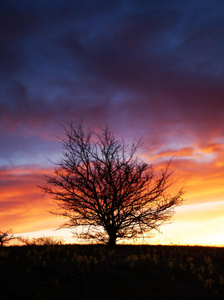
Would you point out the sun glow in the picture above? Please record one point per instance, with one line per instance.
(198, 221)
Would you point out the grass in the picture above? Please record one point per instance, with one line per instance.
(98, 272)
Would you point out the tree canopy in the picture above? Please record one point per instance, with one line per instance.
(106, 192)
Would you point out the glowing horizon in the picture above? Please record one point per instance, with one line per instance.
(198, 221)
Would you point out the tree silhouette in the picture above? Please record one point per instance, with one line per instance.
(106, 190)
(41, 241)
(6, 236)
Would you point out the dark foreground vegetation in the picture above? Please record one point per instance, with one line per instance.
(98, 272)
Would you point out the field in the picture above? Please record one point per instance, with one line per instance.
(98, 272)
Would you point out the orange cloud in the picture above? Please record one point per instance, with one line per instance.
(23, 207)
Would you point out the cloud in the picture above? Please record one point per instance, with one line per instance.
(76, 59)
(22, 205)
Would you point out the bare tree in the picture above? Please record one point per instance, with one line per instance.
(6, 236)
(103, 188)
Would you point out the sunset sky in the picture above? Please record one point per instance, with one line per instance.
(151, 69)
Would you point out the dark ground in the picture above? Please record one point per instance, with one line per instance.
(98, 272)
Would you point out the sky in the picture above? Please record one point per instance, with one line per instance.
(151, 69)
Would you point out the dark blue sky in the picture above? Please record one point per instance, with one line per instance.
(145, 68)
(137, 65)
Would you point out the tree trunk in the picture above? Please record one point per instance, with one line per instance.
(112, 239)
